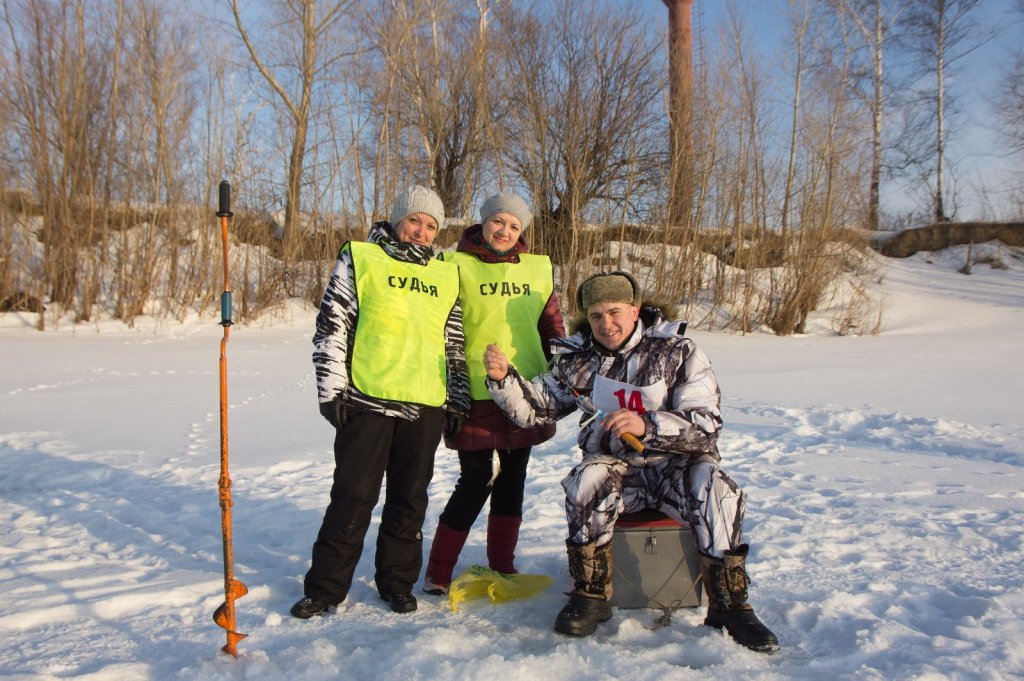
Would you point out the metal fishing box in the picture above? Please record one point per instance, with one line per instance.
(655, 563)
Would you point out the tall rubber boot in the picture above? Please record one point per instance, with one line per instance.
(502, 538)
(444, 553)
(591, 569)
(726, 582)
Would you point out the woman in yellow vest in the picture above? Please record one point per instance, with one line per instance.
(505, 293)
(390, 372)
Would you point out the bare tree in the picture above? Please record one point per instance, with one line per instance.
(942, 32)
(830, 139)
(764, 275)
(800, 22)
(1009, 104)
(873, 20)
(742, 175)
(433, 96)
(58, 80)
(160, 109)
(291, 79)
(588, 129)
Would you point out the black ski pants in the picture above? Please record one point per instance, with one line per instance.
(368, 448)
(475, 485)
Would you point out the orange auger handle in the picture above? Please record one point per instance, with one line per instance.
(632, 441)
(224, 616)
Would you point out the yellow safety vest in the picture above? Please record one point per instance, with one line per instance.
(502, 303)
(399, 348)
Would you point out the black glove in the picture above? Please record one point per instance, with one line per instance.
(335, 411)
(453, 423)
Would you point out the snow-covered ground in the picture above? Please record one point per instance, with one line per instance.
(885, 511)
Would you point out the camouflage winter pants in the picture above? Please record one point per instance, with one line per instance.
(693, 490)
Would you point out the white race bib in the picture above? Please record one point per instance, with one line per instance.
(612, 395)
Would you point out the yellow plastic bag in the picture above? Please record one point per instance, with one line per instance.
(479, 581)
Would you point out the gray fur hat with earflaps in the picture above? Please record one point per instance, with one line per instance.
(608, 287)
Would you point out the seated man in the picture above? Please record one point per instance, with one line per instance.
(645, 380)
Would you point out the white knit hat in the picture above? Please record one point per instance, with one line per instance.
(507, 202)
(418, 199)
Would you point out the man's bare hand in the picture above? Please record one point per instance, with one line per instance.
(624, 421)
(495, 362)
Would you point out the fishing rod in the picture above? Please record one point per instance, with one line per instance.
(587, 405)
(224, 616)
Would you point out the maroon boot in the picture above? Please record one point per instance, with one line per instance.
(502, 537)
(444, 553)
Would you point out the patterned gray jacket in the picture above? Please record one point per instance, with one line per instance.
(687, 421)
(336, 327)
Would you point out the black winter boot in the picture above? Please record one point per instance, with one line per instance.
(308, 607)
(726, 581)
(588, 606)
(581, 615)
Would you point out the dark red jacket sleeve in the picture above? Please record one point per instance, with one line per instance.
(550, 325)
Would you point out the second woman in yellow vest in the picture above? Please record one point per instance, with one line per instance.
(507, 296)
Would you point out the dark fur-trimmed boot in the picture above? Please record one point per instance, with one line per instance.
(591, 569)
(502, 538)
(726, 581)
(444, 553)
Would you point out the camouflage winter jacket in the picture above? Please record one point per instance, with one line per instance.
(688, 421)
(336, 326)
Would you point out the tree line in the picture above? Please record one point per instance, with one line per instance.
(119, 117)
